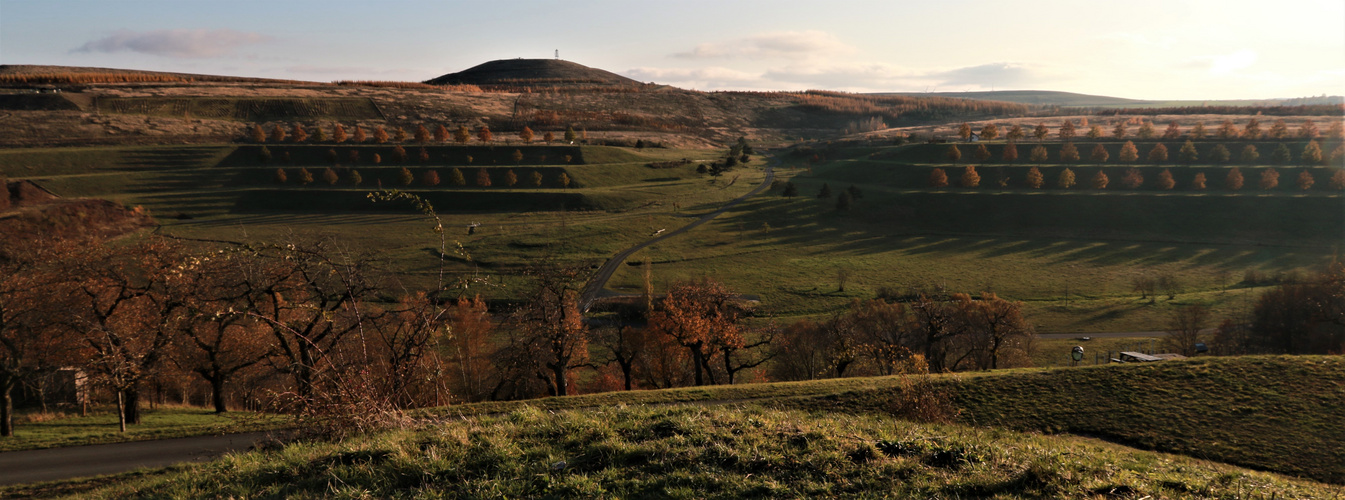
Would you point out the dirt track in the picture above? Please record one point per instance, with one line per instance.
(595, 285)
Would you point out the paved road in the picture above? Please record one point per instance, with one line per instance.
(18, 467)
(1103, 335)
(1099, 335)
(599, 280)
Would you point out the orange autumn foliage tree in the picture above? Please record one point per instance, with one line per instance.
(467, 350)
(122, 314)
(937, 178)
(1234, 180)
(1034, 178)
(970, 178)
(701, 317)
(553, 329)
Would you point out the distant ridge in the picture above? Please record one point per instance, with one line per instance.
(1070, 99)
(539, 72)
(1036, 97)
(36, 73)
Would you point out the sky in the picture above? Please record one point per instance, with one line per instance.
(1142, 49)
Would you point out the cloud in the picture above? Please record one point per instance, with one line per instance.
(866, 77)
(175, 43)
(780, 44)
(991, 75)
(853, 76)
(843, 76)
(713, 77)
(1221, 64)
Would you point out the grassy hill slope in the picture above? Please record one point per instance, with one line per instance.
(1276, 413)
(1271, 413)
(840, 442)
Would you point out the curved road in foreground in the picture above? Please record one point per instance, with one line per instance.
(598, 281)
(31, 466)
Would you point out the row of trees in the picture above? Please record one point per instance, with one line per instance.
(875, 337)
(298, 133)
(397, 155)
(405, 177)
(315, 326)
(1158, 154)
(1120, 129)
(1134, 179)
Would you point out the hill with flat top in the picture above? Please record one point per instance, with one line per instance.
(545, 72)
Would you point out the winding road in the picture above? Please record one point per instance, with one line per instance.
(595, 285)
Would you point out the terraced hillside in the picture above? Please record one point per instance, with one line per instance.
(609, 198)
(244, 109)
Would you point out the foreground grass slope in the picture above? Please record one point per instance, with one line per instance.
(707, 452)
(1277, 413)
(1273, 413)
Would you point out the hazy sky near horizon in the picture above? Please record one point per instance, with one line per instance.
(1144, 49)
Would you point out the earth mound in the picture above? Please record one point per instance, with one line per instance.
(29, 213)
(533, 72)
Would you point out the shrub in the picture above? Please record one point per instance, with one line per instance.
(1198, 182)
(1034, 178)
(937, 178)
(1305, 180)
(970, 178)
(1066, 179)
(1100, 180)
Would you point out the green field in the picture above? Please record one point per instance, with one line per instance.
(1069, 255)
(837, 438)
(789, 251)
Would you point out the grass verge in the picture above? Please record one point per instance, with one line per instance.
(100, 427)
